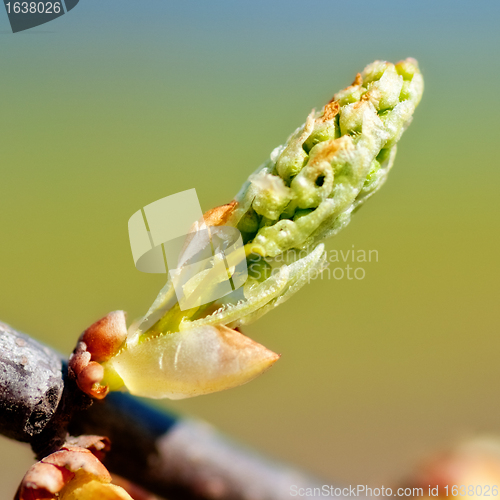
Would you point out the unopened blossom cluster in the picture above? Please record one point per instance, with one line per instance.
(306, 191)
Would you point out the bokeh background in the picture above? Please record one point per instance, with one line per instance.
(120, 103)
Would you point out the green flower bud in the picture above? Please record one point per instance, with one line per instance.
(292, 156)
(305, 192)
(352, 93)
(407, 68)
(272, 195)
(388, 89)
(249, 223)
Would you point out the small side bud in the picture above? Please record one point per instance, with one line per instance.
(104, 337)
(72, 473)
(97, 344)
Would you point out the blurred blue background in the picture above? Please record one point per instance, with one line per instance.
(120, 103)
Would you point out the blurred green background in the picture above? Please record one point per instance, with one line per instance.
(120, 103)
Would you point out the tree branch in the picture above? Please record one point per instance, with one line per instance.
(167, 455)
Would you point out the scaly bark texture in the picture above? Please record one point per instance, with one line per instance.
(36, 399)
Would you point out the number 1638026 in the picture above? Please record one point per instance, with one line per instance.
(34, 7)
